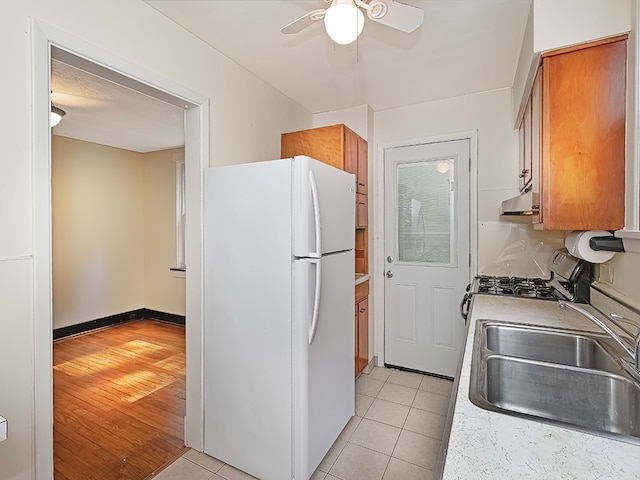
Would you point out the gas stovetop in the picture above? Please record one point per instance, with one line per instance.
(517, 287)
(570, 280)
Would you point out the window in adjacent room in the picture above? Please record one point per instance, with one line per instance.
(181, 216)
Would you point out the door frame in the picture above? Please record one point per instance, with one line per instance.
(44, 36)
(379, 246)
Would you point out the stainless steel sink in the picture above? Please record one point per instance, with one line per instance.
(556, 376)
(555, 346)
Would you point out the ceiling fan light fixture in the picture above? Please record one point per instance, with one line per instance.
(56, 115)
(343, 21)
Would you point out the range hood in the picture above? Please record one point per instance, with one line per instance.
(521, 205)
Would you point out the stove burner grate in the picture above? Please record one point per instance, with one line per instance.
(516, 287)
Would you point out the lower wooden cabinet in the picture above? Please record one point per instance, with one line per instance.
(362, 327)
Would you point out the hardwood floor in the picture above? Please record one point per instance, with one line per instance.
(118, 401)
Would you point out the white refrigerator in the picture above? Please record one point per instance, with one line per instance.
(279, 314)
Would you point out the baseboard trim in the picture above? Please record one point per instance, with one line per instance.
(165, 317)
(111, 320)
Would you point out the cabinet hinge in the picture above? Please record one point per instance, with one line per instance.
(469, 259)
(469, 164)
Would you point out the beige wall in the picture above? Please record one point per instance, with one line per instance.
(246, 118)
(97, 231)
(163, 290)
(113, 231)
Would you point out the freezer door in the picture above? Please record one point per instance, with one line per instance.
(324, 208)
(324, 385)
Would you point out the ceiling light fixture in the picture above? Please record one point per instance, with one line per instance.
(343, 21)
(56, 115)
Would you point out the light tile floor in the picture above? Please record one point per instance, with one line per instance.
(395, 434)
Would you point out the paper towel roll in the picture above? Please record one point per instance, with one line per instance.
(577, 243)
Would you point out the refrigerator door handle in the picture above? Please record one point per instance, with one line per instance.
(316, 300)
(316, 216)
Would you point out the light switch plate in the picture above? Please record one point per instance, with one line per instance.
(3, 429)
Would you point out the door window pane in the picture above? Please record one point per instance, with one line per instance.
(425, 205)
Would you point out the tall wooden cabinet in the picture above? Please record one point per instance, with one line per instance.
(573, 137)
(339, 146)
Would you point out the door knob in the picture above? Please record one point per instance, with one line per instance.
(389, 259)
(389, 274)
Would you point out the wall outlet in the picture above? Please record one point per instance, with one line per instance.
(3, 429)
(606, 272)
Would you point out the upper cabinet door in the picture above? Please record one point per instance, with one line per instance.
(583, 137)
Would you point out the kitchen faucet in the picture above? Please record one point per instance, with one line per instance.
(633, 369)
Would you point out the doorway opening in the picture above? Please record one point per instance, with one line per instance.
(118, 389)
(48, 43)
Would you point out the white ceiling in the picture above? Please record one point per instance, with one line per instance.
(463, 47)
(104, 112)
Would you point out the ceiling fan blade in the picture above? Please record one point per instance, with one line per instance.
(401, 16)
(303, 22)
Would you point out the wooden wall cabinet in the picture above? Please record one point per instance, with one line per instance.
(362, 327)
(576, 120)
(342, 148)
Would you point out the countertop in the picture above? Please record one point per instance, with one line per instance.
(491, 445)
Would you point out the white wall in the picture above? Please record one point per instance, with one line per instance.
(356, 118)
(246, 119)
(569, 22)
(554, 24)
(488, 114)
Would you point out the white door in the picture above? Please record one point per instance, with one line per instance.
(426, 254)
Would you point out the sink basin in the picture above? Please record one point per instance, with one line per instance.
(555, 376)
(584, 398)
(546, 345)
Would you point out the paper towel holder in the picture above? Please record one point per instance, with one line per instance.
(607, 244)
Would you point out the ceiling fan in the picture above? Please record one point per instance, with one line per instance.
(344, 20)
